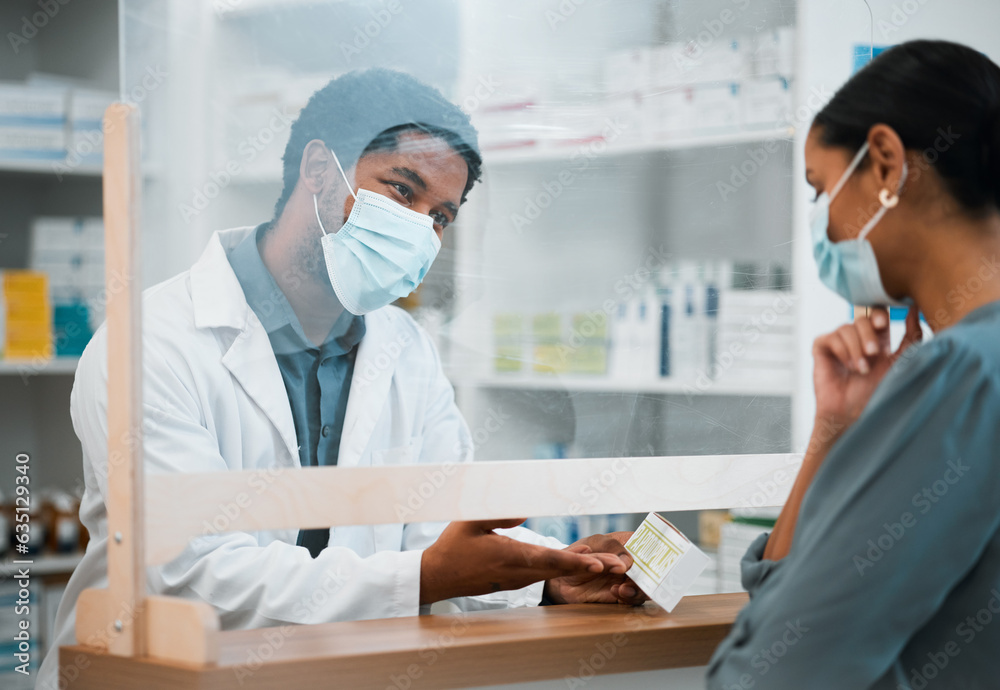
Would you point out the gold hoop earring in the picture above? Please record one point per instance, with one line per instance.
(886, 200)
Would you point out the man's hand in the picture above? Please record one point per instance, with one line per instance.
(608, 587)
(469, 558)
(851, 362)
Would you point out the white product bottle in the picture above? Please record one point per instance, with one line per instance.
(621, 337)
(685, 348)
(648, 337)
(665, 363)
(700, 358)
(711, 320)
(667, 312)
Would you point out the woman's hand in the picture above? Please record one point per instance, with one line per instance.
(609, 587)
(851, 362)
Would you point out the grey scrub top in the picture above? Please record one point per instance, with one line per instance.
(893, 577)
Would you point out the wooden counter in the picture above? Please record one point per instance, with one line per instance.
(441, 651)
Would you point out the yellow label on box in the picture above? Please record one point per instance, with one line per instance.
(664, 562)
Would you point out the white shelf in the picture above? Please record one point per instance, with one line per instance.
(545, 154)
(46, 168)
(599, 384)
(560, 153)
(27, 367)
(48, 564)
(233, 9)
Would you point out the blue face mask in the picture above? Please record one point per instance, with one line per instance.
(381, 253)
(849, 268)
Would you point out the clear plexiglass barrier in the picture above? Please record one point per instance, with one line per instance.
(618, 282)
(408, 239)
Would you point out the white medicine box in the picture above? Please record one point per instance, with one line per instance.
(665, 562)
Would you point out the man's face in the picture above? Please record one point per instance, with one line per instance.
(423, 173)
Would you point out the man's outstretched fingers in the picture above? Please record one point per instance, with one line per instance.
(564, 562)
(484, 526)
(614, 563)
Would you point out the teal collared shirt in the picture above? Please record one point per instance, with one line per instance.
(317, 379)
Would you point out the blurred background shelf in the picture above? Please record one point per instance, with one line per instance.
(44, 167)
(599, 384)
(49, 564)
(561, 153)
(27, 367)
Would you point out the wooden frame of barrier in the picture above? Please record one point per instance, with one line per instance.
(156, 641)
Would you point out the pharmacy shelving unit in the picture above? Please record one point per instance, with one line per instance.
(27, 368)
(633, 196)
(78, 43)
(602, 384)
(45, 168)
(53, 564)
(680, 143)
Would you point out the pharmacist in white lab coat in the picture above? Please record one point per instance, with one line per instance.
(277, 349)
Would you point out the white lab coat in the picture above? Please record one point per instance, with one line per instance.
(214, 400)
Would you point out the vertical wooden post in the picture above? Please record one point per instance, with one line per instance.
(126, 552)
